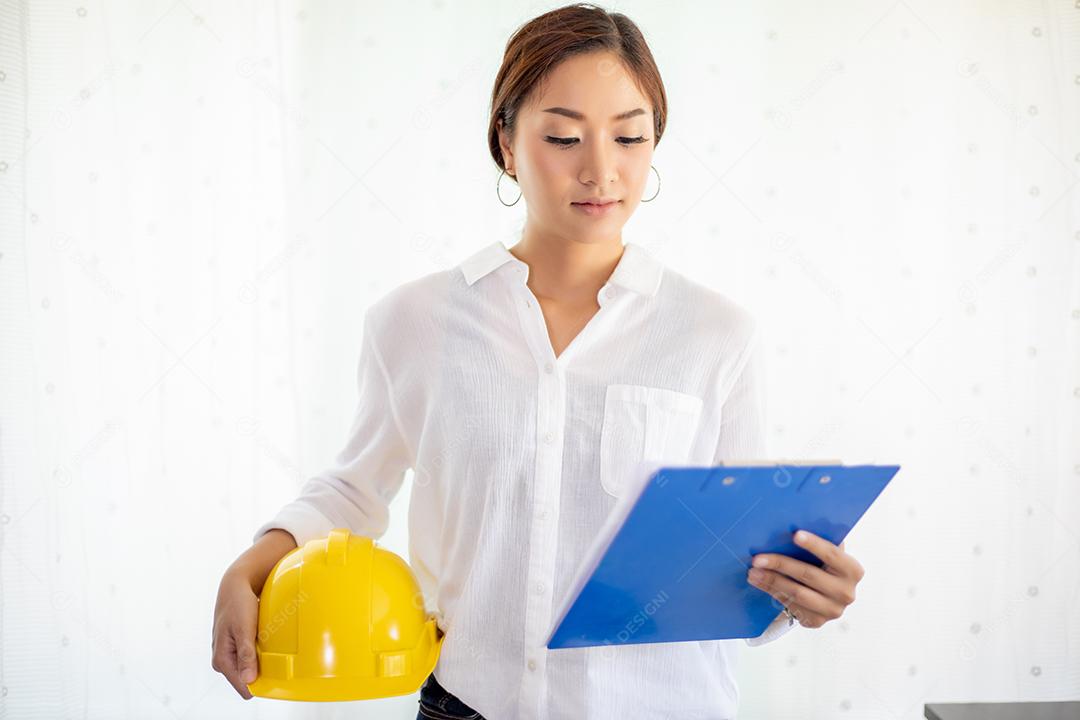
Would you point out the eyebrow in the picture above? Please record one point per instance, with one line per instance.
(573, 114)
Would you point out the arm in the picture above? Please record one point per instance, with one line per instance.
(356, 491)
(743, 437)
(254, 564)
(236, 611)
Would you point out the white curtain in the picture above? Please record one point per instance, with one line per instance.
(198, 200)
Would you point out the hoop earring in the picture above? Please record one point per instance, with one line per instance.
(498, 193)
(657, 185)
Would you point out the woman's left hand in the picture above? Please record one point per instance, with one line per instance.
(813, 595)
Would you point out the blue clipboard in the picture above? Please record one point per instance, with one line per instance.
(671, 562)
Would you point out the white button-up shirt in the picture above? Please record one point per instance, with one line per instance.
(517, 458)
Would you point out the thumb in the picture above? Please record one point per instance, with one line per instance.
(246, 661)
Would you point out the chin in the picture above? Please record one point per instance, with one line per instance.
(595, 232)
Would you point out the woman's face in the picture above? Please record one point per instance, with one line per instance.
(585, 133)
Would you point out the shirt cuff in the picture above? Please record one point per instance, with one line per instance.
(300, 520)
(777, 627)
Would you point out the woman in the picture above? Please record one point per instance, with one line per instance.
(522, 386)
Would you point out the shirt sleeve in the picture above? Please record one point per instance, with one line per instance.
(742, 416)
(742, 436)
(356, 490)
(778, 627)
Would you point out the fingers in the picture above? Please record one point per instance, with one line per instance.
(235, 679)
(226, 662)
(808, 575)
(835, 559)
(246, 661)
(806, 618)
(235, 625)
(791, 593)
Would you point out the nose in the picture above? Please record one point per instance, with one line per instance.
(599, 164)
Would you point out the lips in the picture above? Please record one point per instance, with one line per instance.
(595, 208)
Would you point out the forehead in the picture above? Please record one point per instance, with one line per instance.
(596, 84)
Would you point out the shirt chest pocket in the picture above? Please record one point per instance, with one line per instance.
(644, 423)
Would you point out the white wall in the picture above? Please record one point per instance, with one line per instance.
(199, 200)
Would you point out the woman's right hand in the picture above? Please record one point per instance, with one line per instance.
(236, 618)
(236, 614)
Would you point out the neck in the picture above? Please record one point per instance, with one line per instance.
(566, 270)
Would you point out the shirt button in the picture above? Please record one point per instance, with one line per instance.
(549, 437)
(539, 588)
(611, 292)
(541, 513)
(549, 368)
(532, 664)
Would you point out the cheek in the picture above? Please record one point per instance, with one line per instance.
(640, 167)
(551, 172)
(553, 163)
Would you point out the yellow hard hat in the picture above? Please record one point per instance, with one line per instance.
(342, 619)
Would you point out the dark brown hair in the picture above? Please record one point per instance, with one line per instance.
(539, 45)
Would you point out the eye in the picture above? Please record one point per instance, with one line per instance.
(560, 142)
(564, 143)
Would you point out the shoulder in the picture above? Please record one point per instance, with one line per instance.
(402, 311)
(712, 313)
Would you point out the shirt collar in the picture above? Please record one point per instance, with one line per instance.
(637, 269)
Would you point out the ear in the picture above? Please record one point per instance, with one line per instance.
(504, 145)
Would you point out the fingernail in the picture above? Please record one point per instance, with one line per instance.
(801, 536)
(759, 561)
(755, 575)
